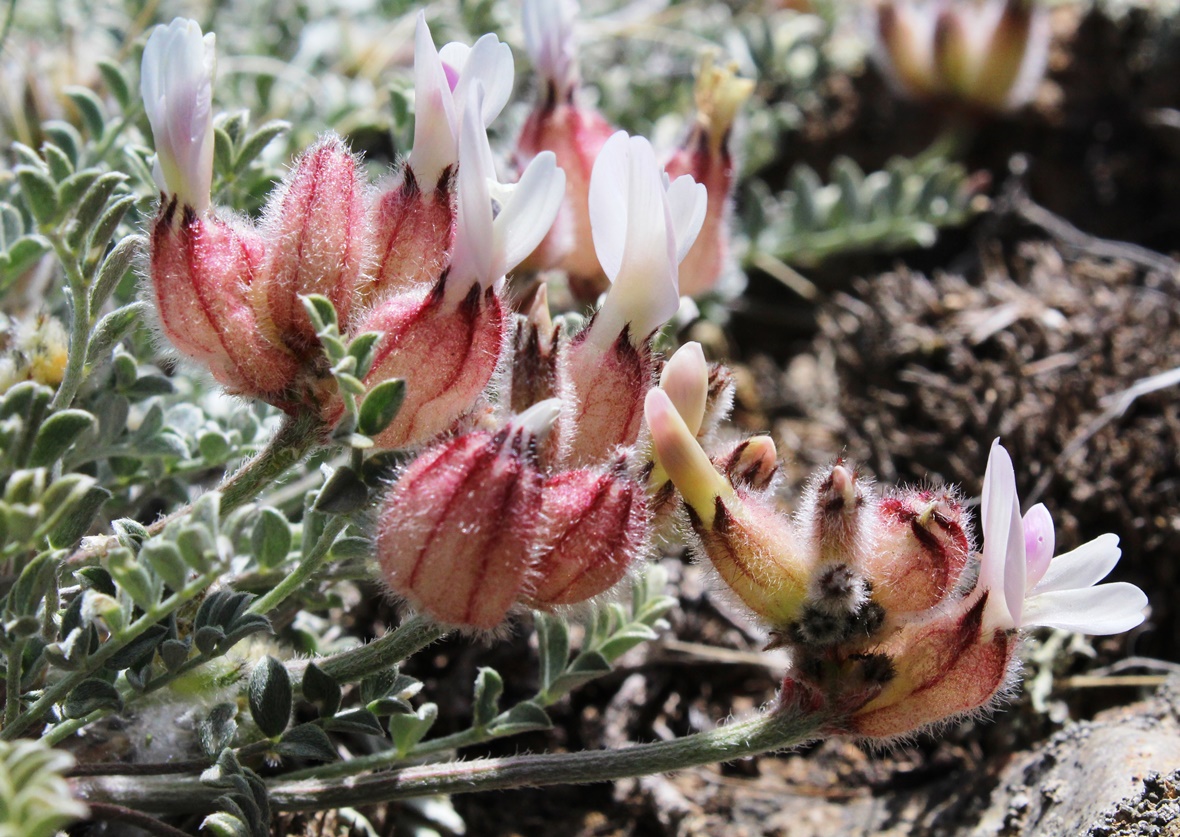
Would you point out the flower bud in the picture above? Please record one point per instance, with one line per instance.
(201, 270)
(986, 53)
(752, 464)
(176, 82)
(534, 357)
(754, 548)
(457, 527)
(838, 512)
(705, 155)
(446, 352)
(943, 668)
(318, 244)
(921, 551)
(594, 526)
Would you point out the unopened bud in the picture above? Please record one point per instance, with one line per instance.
(447, 354)
(201, 268)
(534, 356)
(752, 463)
(921, 551)
(318, 243)
(752, 545)
(838, 511)
(594, 526)
(457, 527)
(705, 155)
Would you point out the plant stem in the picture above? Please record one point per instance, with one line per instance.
(777, 729)
(107, 812)
(304, 570)
(410, 637)
(80, 325)
(12, 681)
(295, 438)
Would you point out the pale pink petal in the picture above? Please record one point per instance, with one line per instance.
(687, 201)
(1039, 541)
(1083, 567)
(685, 378)
(609, 183)
(1002, 565)
(472, 259)
(1105, 609)
(176, 82)
(435, 121)
(549, 38)
(489, 63)
(529, 211)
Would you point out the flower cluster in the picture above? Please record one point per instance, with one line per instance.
(526, 488)
(989, 54)
(893, 620)
(537, 482)
(420, 260)
(547, 509)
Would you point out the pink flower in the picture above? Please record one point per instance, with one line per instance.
(1027, 586)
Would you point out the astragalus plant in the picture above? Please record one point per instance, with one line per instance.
(479, 458)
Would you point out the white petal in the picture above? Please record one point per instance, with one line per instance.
(435, 121)
(1039, 542)
(529, 212)
(176, 82)
(454, 56)
(1002, 566)
(488, 62)
(607, 198)
(472, 259)
(1083, 567)
(688, 201)
(1105, 609)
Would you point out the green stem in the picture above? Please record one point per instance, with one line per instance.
(410, 637)
(304, 570)
(295, 438)
(57, 692)
(778, 729)
(80, 325)
(12, 681)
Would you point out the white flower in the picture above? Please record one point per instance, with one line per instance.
(442, 84)
(549, 40)
(1027, 586)
(642, 227)
(176, 82)
(497, 224)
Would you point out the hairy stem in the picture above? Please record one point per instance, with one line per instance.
(410, 637)
(80, 325)
(777, 729)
